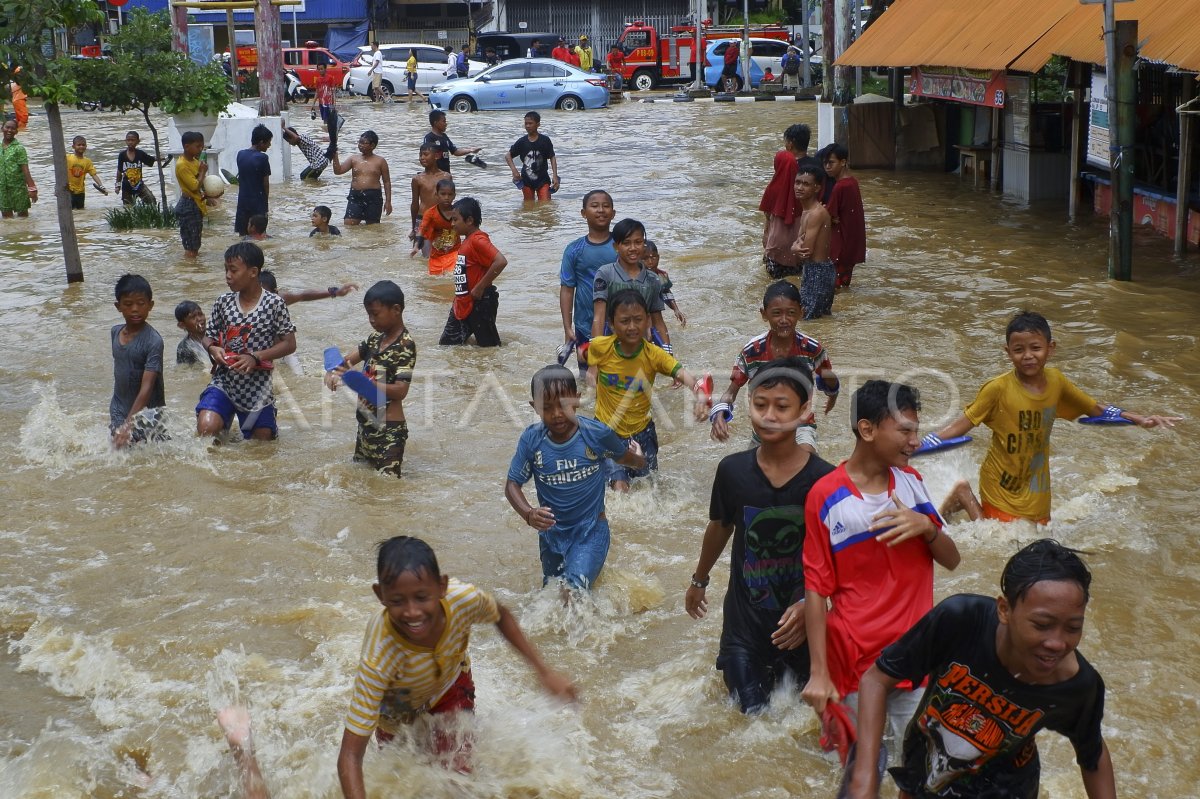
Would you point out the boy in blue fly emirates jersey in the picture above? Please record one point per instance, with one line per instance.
(565, 454)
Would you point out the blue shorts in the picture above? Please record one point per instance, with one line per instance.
(576, 560)
(215, 400)
(411, 79)
(647, 439)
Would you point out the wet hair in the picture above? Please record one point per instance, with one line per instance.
(323, 211)
(434, 116)
(191, 137)
(626, 228)
(385, 292)
(261, 133)
(185, 309)
(428, 148)
(534, 115)
(784, 289)
(838, 151)
(1027, 322)
(622, 298)
(799, 135)
(401, 554)
(468, 208)
(553, 381)
(371, 136)
(792, 371)
(133, 133)
(78, 139)
(133, 284)
(258, 222)
(589, 195)
(249, 253)
(879, 399)
(445, 183)
(1044, 559)
(266, 279)
(813, 171)
(651, 247)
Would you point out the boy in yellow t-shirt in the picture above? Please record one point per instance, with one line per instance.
(79, 166)
(1020, 408)
(414, 657)
(190, 209)
(624, 366)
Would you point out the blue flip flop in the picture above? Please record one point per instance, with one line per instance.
(364, 387)
(333, 358)
(949, 443)
(1104, 420)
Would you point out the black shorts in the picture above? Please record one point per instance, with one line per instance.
(76, 200)
(751, 672)
(143, 192)
(365, 205)
(481, 322)
(730, 70)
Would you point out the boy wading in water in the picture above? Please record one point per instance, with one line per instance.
(812, 246)
(371, 183)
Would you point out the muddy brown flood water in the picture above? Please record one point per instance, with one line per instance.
(140, 591)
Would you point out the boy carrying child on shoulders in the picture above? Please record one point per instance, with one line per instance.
(565, 454)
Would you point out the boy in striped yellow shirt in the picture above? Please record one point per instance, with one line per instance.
(414, 656)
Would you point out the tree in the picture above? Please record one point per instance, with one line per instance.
(145, 72)
(26, 41)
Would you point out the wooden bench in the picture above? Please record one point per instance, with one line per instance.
(977, 158)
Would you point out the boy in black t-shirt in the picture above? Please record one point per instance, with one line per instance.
(437, 138)
(130, 180)
(758, 496)
(536, 152)
(999, 671)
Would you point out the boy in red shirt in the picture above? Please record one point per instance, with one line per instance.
(873, 535)
(475, 298)
(616, 65)
(848, 237)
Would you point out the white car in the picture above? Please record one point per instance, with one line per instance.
(431, 68)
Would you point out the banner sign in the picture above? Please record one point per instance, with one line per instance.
(972, 86)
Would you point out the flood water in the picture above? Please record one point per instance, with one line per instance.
(141, 591)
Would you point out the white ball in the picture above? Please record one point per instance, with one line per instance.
(214, 186)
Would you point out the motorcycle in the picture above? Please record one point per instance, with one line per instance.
(296, 91)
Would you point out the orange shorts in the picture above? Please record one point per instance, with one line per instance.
(992, 512)
(461, 696)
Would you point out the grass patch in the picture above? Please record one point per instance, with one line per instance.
(139, 216)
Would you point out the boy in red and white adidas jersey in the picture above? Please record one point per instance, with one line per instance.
(873, 535)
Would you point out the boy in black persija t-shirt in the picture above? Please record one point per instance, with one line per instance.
(536, 153)
(999, 671)
(758, 497)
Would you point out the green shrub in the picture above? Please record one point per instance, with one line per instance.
(139, 216)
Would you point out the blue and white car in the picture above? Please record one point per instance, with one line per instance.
(764, 54)
(523, 83)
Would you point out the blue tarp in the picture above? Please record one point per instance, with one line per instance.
(344, 40)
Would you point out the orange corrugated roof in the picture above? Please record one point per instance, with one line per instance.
(1021, 35)
(1168, 30)
(955, 33)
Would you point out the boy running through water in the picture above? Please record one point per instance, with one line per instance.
(1020, 407)
(997, 671)
(872, 539)
(535, 152)
(812, 244)
(370, 185)
(437, 231)
(78, 167)
(479, 263)
(388, 357)
(135, 411)
(577, 273)
(415, 658)
(758, 497)
(249, 328)
(565, 455)
(437, 138)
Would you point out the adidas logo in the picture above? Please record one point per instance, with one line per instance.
(839, 529)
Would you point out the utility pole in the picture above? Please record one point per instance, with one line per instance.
(746, 45)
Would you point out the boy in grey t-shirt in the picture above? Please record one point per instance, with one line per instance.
(135, 411)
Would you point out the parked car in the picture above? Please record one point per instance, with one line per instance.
(764, 53)
(305, 60)
(523, 84)
(513, 45)
(431, 68)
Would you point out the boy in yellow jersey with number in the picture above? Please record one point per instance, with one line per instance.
(1020, 407)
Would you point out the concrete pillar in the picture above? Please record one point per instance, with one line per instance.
(271, 86)
(179, 29)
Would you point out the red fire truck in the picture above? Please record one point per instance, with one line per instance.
(652, 59)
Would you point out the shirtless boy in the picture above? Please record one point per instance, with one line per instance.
(370, 184)
(812, 246)
(424, 186)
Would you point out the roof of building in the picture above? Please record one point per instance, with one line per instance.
(1020, 35)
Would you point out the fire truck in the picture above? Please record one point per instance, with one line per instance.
(652, 59)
